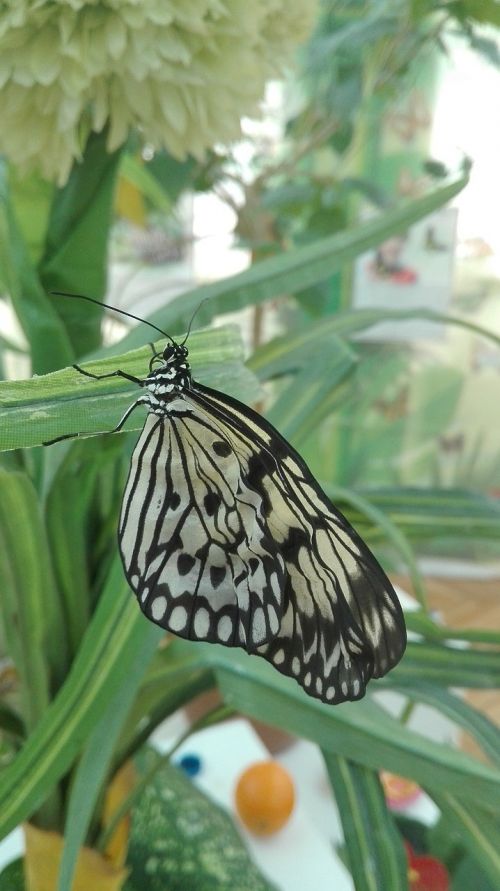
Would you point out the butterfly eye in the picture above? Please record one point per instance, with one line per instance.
(168, 353)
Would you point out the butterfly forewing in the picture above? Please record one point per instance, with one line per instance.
(193, 537)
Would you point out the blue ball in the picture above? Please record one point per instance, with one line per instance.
(190, 764)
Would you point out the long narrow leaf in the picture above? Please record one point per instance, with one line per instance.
(375, 852)
(423, 513)
(307, 394)
(483, 731)
(381, 522)
(116, 633)
(29, 605)
(95, 762)
(478, 830)
(361, 731)
(449, 666)
(293, 271)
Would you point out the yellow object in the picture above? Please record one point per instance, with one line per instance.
(94, 871)
(264, 797)
(129, 202)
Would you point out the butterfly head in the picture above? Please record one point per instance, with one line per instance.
(171, 377)
(176, 354)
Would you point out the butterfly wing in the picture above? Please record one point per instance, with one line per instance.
(193, 538)
(226, 537)
(342, 622)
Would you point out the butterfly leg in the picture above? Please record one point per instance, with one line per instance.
(118, 427)
(118, 373)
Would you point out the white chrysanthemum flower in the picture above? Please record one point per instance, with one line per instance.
(182, 72)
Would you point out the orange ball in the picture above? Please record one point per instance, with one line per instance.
(264, 797)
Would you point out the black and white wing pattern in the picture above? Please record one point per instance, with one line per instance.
(226, 537)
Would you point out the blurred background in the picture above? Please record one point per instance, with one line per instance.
(327, 176)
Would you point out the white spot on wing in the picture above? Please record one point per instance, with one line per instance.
(224, 628)
(201, 622)
(178, 618)
(158, 608)
(258, 625)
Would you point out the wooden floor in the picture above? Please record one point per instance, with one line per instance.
(467, 604)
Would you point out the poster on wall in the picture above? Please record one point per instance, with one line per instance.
(409, 271)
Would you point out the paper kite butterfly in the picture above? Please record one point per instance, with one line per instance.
(226, 537)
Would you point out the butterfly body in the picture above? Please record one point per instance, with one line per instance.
(226, 537)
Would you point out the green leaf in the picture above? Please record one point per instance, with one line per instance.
(485, 11)
(12, 877)
(117, 632)
(29, 605)
(422, 624)
(94, 764)
(429, 513)
(291, 271)
(448, 666)
(10, 722)
(384, 526)
(477, 828)
(50, 346)
(35, 411)
(375, 852)
(346, 324)
(31, 197)
(177, 837)
(77, 241)
(306, 397)
(479, 726)
(360, 731)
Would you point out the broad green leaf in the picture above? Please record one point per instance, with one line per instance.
(80, 216)
(485, 11)
(50, 346)
(31, 197)
(291, 271)
(37, 410)
(375, 852)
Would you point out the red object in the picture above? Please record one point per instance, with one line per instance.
(404, 276)
(426, 873)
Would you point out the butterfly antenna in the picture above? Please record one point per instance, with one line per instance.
(193, 318)
(123, 312)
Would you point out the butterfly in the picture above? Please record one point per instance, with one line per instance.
(225, 536)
